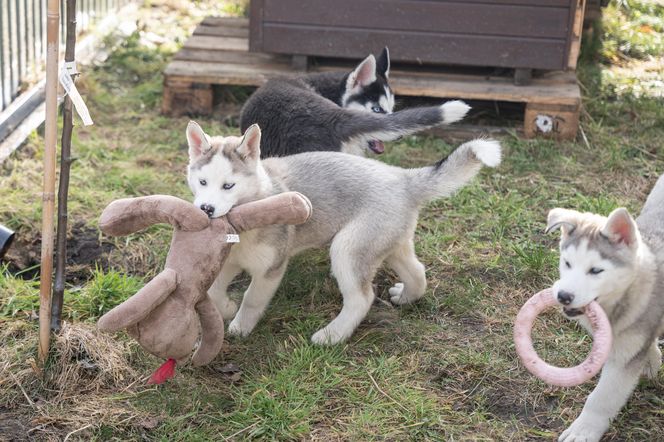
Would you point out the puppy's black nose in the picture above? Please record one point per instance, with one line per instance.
(208, 209)
(565, 298)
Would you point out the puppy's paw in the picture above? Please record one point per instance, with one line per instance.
(581, 431)
(397, 295)
(237, 327)
(653, 363)
(327, 336)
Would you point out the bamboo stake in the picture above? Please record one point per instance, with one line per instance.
(48, 194)
(63, 189)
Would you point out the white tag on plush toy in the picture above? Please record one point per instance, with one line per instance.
(231, 237)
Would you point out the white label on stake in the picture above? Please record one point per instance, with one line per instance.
(231, 237)
(79, 104)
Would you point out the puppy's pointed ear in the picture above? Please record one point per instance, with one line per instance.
(620, 227)
(250, 147)
(383, 63)
(563, 219)
(199, 142)
(363, 75)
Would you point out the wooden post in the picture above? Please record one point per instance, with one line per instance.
(63, 188)
(48, 194)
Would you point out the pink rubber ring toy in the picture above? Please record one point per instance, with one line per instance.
(561, 377)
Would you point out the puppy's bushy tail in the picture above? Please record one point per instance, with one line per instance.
(388, 127)
(451, 173)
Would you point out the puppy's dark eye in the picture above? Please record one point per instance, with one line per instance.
(569, 266)
(228, 186)
(203, 182)
(378, 110)
(595, 271)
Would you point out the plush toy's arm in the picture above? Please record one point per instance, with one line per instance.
(285, 208)
(130, 215)
(212, 332)
(141, 304)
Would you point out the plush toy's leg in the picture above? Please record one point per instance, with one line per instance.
(138, 306)
(219, 290)
(212, 332)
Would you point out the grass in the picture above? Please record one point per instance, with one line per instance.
(441, 369)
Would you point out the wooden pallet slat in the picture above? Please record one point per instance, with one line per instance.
(218, 54)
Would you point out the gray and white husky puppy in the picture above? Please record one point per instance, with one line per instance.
(338, 111)
(364, 210)
(620, 263)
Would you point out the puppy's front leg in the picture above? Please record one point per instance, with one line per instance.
(614, 388)
(219, 290)
(255, 301)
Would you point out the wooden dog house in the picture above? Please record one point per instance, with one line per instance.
(522, 34)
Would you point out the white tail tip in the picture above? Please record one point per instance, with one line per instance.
(487, 151)
(454, 111)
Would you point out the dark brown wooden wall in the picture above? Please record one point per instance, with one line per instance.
(504, 33)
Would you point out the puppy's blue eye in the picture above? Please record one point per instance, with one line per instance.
(228, 186)
(378, 110)
(595, 271)
(203, 182)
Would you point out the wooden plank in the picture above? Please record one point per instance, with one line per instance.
(227, 22)
(222, 31)
(408, 15)
(560, 123)
(256, 8)
(408, 46)
(217, 43)
(575, 36)
(432, 86)
(223, 56)
(541, 3)
(450, 73)
(216, 73)
(192, 98)
(480, 89)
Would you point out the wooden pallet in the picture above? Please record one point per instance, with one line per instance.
(218, 54)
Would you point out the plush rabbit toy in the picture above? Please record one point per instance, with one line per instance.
(172, 312)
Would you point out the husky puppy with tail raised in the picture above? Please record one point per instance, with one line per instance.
(365, 211)
(338, 111)
(619, 262)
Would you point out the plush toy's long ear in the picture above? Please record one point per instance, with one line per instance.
(198, 141)
(285, 208)
(129, 215)
(563, 219)
(363, 75)
(141, 304)
(620, 227)
(212, 332)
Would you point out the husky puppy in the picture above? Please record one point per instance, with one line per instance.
(364, 210)
(620, 263)
(338, 111)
